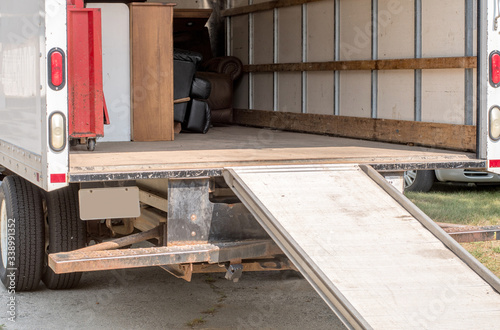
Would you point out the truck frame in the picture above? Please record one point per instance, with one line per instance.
(370, 88)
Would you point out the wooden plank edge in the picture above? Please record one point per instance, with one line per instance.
(426, 134)
(270, 5)
(476, 236)
(192, 13)
(465, 62)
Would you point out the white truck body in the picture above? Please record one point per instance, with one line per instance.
(28, 31)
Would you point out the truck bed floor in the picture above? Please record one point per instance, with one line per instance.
(241, 146)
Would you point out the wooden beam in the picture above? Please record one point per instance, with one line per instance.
(192, 13)
(435, 135)
(468, 62)
(243, 10)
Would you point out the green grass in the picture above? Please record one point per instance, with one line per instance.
(460, 204)
(467, 205)
(488, 253)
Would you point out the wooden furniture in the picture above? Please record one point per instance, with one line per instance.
(152, 71)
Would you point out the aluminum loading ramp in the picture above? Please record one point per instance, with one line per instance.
(376, 259)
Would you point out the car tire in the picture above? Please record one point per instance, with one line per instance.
(66, 233)
(22, 237)
(419, 181)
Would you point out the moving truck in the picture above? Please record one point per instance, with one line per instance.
(336, 99)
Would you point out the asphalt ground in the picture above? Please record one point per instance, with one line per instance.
(150, 298)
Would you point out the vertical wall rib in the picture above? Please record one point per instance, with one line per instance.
(418, 54)
(336, 84)
(374, 76)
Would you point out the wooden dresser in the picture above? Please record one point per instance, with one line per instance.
(152, 71)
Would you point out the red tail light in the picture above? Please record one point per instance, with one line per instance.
(58, 178)
(495, 69)
(56, 69)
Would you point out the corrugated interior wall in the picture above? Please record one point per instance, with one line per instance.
(306, 33)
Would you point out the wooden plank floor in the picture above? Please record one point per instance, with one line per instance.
(238, 146)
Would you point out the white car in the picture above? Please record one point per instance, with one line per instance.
(424, 179)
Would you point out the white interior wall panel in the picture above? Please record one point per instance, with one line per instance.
(289, 34)
(290, 51)
(239, 27)
(320, 48)
(263, 91)
(290, 92)
(320, 98)
(396, 28)
(240, 100)
(443, 96)
(320, 31)
(395, 94)
(355, 30)
(443, 34)
(443, 28)
(239, 45)
(263, 53)
(355, 93)
(116, 68)
(263, 38)
(355, 44)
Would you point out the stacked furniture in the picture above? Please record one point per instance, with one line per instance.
(191, 33)
(193, 111)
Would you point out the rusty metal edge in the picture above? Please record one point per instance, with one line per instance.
(476, 236)
(82, 261)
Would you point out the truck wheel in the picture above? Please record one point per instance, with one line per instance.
(419, 181)
(22, 234)
(91, 144)
(66, 233)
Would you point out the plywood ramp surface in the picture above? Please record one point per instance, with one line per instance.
(237, 146)
(364, 251)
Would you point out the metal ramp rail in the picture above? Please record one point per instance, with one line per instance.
(375, 258)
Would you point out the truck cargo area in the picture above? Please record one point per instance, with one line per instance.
(236, 146)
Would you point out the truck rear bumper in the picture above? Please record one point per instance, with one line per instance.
(212, 253)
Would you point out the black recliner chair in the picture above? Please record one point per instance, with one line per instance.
(194, 115)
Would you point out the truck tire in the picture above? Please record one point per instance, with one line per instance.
(22, 234)
(419, 181)
(66, 233)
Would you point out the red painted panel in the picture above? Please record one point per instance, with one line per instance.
(58, 178)
(75, 3)
(86, 100)
(494, 163)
